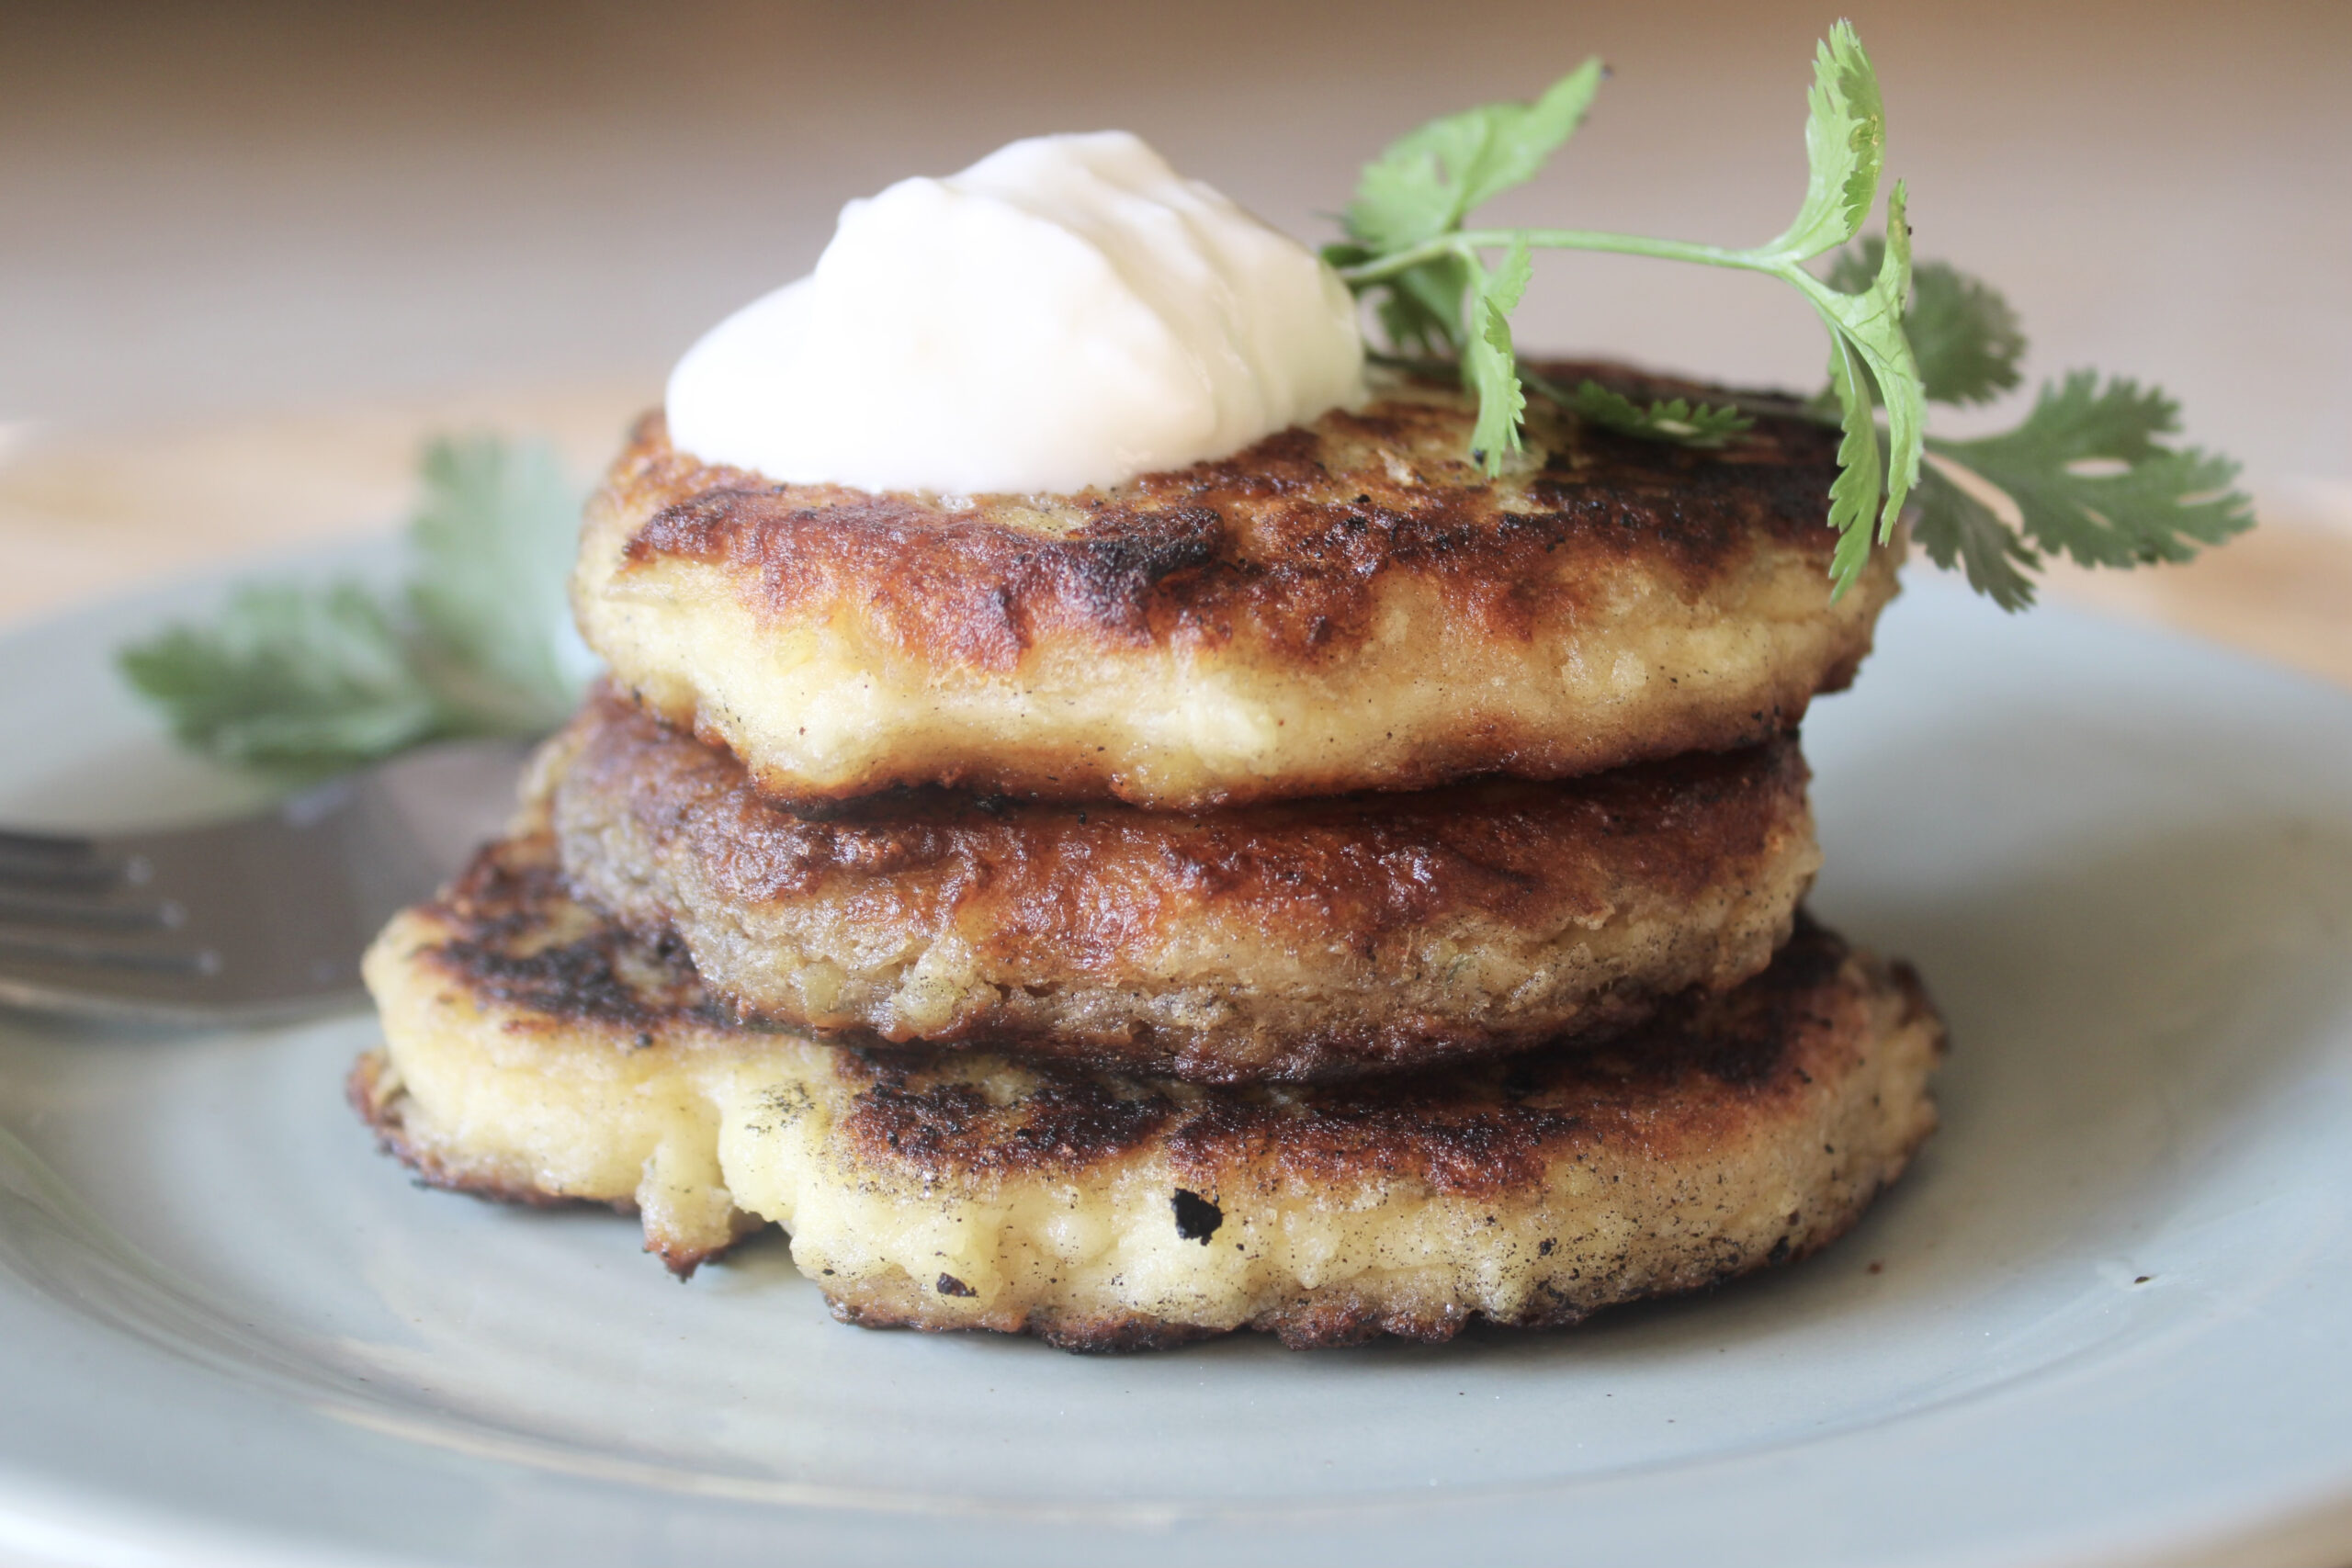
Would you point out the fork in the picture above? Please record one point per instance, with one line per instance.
(252, 920)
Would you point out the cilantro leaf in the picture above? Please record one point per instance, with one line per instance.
(1853, 495)
(1872, 362)
(1666, 419)
(1423, 307)
(493, 541)
(309, 680)
(2090, 478)
(1427, 180)
(2085, 468)
(1954, 526)
(1967, 340)
(1489, 366)
(1845, 145)
(291, 677)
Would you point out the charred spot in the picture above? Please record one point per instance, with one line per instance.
(1110, 566)
(1544, 1248)
(1521, 1078)
(948, 1285)
(498, 910)
(1067, 1120)
(1747, 1032)
(1780, 1253)
(1196, 1218)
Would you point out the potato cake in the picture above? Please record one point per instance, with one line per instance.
(1283, 940)
(1346, 605)
(535, 1050)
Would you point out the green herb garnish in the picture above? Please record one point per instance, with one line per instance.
(1406, 246)
(2085, 470)
(1666, 419)
(308, 680)
(2089, 480)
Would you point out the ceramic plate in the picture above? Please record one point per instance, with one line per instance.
(2104, 1318)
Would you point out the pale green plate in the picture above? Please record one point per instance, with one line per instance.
(2104, 1318)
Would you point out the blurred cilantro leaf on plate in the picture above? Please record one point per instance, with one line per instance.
(308, 680)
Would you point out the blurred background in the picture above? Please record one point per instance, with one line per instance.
(251, 251)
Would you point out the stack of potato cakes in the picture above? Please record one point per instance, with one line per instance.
(1323, 890)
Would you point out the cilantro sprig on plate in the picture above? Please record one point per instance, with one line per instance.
(308, 680)
(2084, 474)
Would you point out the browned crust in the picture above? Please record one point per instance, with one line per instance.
(1281, 542)
(1727, 1073)
(1719, 1074)
(1286, 551)
(1476, 1126)
(504, 948)
(674, 835)
(1700, 1074)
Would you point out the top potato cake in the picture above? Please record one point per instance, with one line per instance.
(1346, 605)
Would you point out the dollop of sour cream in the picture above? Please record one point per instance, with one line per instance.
(1067, 311)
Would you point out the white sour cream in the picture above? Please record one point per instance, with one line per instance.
(1067, 311)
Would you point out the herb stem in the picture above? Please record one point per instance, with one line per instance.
(1468, 242)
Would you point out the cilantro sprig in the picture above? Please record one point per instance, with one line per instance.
(306, 680)
(2088, 478)
(2086, 473)
(1427, 273)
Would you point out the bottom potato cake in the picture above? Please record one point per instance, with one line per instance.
(537, 1051)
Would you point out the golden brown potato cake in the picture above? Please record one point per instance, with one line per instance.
(535, 1051)
(1346, 605)
(1283, 940)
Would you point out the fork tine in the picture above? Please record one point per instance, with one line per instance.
(14, 955)
(193, 926)
(154, 975)
(247, 920)
(92, 879)
(160, 914)
(53, 863)
(15, 845)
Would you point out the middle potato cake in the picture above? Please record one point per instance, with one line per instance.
(1283, 940)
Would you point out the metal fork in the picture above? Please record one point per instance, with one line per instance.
(243, 921)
